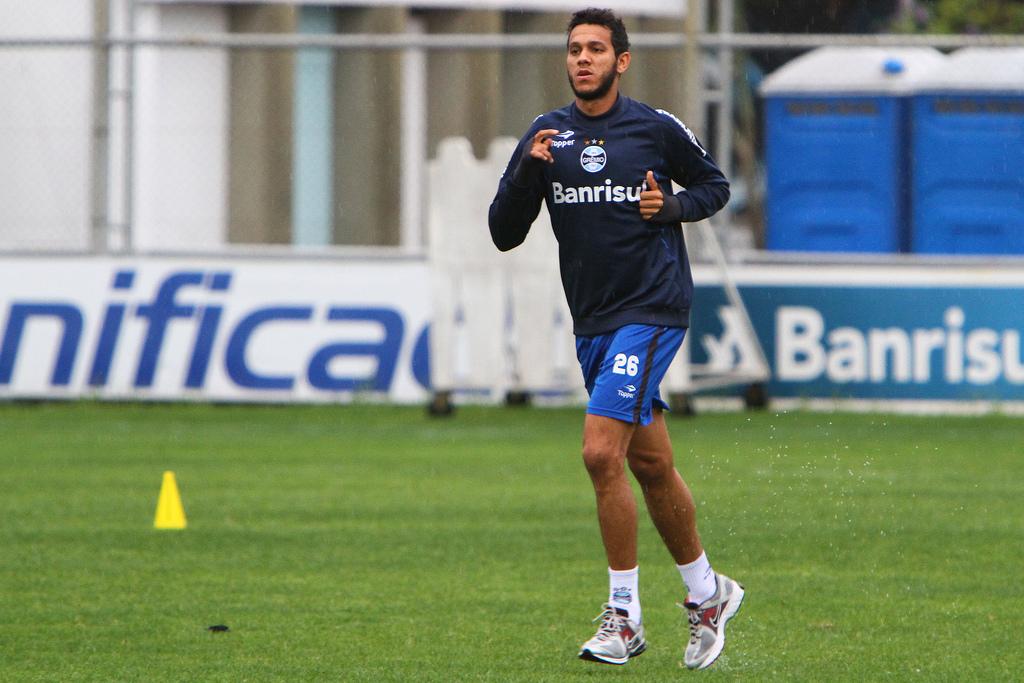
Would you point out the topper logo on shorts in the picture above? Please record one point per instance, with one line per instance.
(593, 158)
(628, 391)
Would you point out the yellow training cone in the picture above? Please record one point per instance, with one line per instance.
(169, 512)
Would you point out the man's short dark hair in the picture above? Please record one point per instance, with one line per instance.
(606, 18)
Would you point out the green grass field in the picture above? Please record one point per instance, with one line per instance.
(375, 544)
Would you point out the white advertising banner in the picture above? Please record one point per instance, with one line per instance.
(310, 330)
(213, 329)
(668, 8)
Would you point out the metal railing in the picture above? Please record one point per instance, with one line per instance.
(526, 41)
(414, 45)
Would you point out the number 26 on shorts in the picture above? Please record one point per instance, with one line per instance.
(626, 365)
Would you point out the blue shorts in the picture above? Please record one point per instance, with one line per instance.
(623, 370)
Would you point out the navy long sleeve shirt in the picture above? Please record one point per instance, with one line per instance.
(616, 267)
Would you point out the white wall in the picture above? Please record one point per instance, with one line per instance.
(500, 321)
(45, 128)
(181, 133)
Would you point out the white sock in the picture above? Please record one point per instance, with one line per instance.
(624, 591)
(699, 579)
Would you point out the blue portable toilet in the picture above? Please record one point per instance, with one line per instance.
(836, 124)
(968, 155)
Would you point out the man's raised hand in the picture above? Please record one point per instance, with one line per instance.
(541, 147)
(651, 199)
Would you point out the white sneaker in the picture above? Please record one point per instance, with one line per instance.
(707, 622)
(616, 640)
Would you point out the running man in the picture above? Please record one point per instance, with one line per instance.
(605, 165)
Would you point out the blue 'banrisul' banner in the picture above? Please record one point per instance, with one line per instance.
(874, 342)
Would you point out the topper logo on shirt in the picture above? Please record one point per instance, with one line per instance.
(564, 140)
(594, 157)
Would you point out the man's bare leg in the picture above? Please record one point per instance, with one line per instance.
(668, 498)
(621, 634)
(605, 441)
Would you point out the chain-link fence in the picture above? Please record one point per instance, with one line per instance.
(147, 127)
